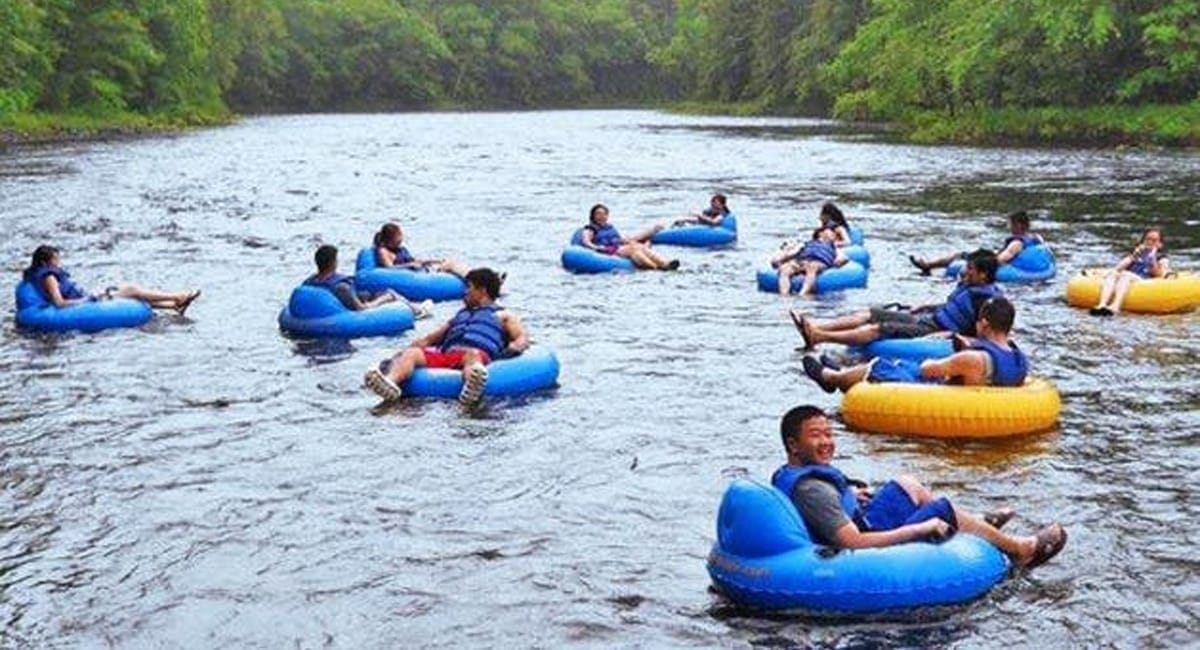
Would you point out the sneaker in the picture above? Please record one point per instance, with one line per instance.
(423, 310)
(472, 390)
(382, 385)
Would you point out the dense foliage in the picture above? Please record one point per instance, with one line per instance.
(901, 60)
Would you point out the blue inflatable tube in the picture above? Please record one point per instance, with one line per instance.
(36, 313)
(856, 235)
(764, 558)
(918, 349)
(314, 312)
(857, 253)
(851, 275)
(1032, 264)
(533, 370)
(577, 259)
(414, 285)
(699, 235)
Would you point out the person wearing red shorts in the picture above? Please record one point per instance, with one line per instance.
(479, 332)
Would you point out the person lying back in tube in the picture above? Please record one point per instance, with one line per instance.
(958, 314)
(1018, 240)
(809, 258)
(1147, 261)
(713, 215)
(342, 286)
(989, 360)
(54, 284)
(844, 513)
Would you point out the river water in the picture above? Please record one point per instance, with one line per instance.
(206, 482)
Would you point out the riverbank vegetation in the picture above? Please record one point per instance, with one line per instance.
(1029, 70)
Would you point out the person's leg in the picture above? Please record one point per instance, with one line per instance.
(861, 335)
(645, 235)
(179, 301)
(1124, 282)
(636, 253)
(1020, 549)
(1107, 287)
(857, 319)
(475, 375)
(786, 271)
(811, 270)
(385, 380)
(936, 263)
(847, 377)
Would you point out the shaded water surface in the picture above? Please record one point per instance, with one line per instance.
(204, 481)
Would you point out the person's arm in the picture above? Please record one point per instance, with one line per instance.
(849, 536)
(1161, 268)
(842, 236)
(432, 338)
(840, 260)
(1013, 249)
(588, 239)
(969, 363)
(714, 220)
(50, 284)
(350, 300)
(1127, 261)
(384, 257)
(518, 339)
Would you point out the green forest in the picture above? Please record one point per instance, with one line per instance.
(945, 70)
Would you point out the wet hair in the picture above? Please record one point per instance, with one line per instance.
(1019, 218)
(595, 208)
(794, 419)
(999, 314)
(485, 279)
(985, 262)
(723, 201)
(388, 231)
(834, 213)
(326, 258)
(41, 257)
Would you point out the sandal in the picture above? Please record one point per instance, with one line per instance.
(919, 263)
(815, 372)
(1050, 540)
(997, 518)
(802, 325)
(182, 307)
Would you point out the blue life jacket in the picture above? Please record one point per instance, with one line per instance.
(402, 255)
(962, 307)
(787, 477)
(1144, 264)
(818, 251)
(478, 328)
(1009, 365)
(606, 236)
(1026, 240)
(330, 282)
(68, 289)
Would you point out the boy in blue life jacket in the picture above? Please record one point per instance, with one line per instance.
(843, 513)
(989, 360)
(1019, 239)
(342, 286)
(479, 333)
(958, 314)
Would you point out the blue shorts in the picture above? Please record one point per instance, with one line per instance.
(903, 371)
(892, 508)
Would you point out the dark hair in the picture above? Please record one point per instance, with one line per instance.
(592, 212)
(326, 258)
(723, 201)
(1162, 249)
(999, 314)
(385, 233)
(41, 257)
(835, 215)
(485, 279)
(985, 262)
(794, 419)
(1019, 218)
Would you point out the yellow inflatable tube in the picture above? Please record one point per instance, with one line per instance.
(942, 411)
(1176, 293)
